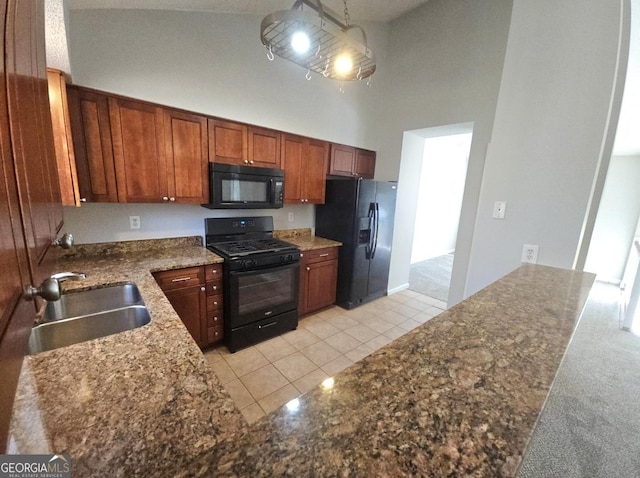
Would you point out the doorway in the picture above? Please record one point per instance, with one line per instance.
(442, 174)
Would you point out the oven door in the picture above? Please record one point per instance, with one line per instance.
(262, 293)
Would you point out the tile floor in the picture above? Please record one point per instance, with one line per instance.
(266, 376)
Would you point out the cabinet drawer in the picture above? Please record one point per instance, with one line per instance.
(214, 334)
(318, 255)
(214, 287)
(214, 319)
(214, 302)
(179, 278)
(213, 272)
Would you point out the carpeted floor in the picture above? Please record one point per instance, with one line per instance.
(590, 426)
(432, 277)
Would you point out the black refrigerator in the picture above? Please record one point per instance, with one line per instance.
(359, 213)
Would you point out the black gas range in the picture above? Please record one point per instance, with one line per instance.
(260, 279)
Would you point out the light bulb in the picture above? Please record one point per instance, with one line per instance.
(343, 64)
(300, 42)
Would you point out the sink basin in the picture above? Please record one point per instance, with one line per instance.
(75, 304)
(81, 316)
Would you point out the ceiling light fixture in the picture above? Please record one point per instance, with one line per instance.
(318, 41)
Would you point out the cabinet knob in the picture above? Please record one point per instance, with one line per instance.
(215, 302)
(66, 241)
(302, 254)
(308, 268)
(301, 200)
(172, 199)
(214, 287)
(215, 319)
(83, 199)
(202, 289)
(246, 161)
(48, 290)
(165, 198)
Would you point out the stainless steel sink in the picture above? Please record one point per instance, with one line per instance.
(87, 315)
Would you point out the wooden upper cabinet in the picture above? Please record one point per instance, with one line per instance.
(350, 161)
(91, 132)
(187, 157)
(365, 165)
(138, 151)
(304, 161)
(227, 142)
(263, 147)
(62, 140)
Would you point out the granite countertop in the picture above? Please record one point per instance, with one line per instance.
(304, 239)
(133, 402)
(458, 396)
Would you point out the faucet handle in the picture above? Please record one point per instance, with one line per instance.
(60, 276)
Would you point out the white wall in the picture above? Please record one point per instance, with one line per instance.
(617, 219)
(446, 58)
(551, 123)
(444, 169)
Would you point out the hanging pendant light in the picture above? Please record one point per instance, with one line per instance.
(318, 41)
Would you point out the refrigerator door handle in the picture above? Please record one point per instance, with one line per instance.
(372, 217)
(376, 221)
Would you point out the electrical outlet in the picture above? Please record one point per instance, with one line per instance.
(499, 209)
(530, 253)
(291, 218)
(134, 222)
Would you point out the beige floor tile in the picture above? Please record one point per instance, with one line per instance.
(342, 321)
(409, 324)
(361, 332)
(395, 333)
(343, 342)
(399, 298)
(320, 353)
(300, 338)
(294, 366)
(311, 380)
(378, 342)
(359, 353)
(239, 393)
(361, 314)
(223, 371)
(321, 328)
(276, 348)
(338, 365)
(246, 361)
(404, 309)
(278, 398)
(409, 293)
(416, 304)
(332, 312)
(426, 315)
(264, 381)
(252, 413)
(212, 356)
(440, 304)
(379, 325)
(393, 317)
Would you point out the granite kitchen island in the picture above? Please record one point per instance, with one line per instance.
(457, 396)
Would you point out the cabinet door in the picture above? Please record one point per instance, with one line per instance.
(321, 280)
(31, 136)
(292, 159)
(63, 143)
(365, 165)
(138, 150)
(342, 160)
(263, 147)
(315, 167)
(227, 142)
(190, 304)
(187, 157)
(91, 133)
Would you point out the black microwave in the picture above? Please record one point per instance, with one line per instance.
(244, 187)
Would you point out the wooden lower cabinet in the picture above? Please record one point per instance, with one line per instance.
(318, 278)
(196, 295)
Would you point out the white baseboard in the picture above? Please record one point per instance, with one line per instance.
(400, 288)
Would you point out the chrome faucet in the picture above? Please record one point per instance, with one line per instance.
(50, 288)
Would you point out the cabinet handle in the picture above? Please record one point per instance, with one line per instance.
(181, 279)
(324, 255)
(165, 198)
(308, 268)
(172, 199)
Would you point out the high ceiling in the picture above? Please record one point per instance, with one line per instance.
(359, 10)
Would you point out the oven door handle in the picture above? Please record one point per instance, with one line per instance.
(271, 268)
